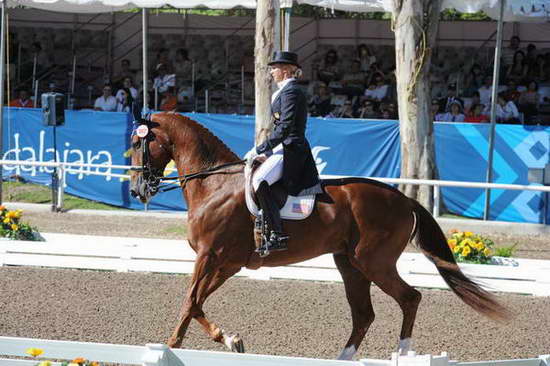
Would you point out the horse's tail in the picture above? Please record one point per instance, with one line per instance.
(433, 244)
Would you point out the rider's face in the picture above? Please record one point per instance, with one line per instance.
(277, 72)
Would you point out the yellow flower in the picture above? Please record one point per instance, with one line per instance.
(468, 234)
(14, 227)
(11, 214)
(94, 363)
(466, 251)
(45, 363)
(78, 360)
(34, 352)
(452, 243)
(457, 249)
(487, 252)
(7, 220)
(18, 214)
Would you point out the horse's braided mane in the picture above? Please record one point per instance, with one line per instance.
(211, 140)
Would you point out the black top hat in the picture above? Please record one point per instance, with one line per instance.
(284, 57)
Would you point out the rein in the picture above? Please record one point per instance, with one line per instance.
(203, 173)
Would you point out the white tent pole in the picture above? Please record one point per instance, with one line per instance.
(494, 94)
(2, 71)
(145, 31)
(286, 30)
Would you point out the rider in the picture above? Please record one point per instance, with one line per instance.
(288, 151)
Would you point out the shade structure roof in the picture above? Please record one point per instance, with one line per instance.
(516, 10)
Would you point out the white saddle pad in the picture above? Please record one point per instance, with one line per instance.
(295, 208)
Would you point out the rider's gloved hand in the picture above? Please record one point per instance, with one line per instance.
(251, 155)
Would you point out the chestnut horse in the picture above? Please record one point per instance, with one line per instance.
(365, 224)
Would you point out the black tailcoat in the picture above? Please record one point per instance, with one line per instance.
(289, 109)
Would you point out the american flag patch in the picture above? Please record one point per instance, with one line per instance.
(297, 208)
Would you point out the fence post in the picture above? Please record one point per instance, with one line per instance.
(545, 359)
(160, 355)
(60, 187)
(436, 201)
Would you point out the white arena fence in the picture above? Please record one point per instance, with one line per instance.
(161, 355)
(123, 254)
(86, 169)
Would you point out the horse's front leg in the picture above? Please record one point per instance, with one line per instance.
(207, 277)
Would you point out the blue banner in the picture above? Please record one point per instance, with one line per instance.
(340, 147)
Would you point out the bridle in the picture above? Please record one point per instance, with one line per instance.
(152, 177)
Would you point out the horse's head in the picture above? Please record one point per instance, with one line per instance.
(151, 152)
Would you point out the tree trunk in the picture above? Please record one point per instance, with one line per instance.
(265, 44)
(415, 25)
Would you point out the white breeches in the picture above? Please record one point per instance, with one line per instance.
(271, 170)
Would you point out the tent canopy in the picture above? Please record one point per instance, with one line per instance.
(516, 10)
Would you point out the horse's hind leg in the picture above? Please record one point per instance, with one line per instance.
(358, 295)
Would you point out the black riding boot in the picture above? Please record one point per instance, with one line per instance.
(277, 239)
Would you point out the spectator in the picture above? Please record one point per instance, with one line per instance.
(436, 111)
(531, 55)
(320, 103)
(473, 80)
(169, 102)
(386, 114)
(106, 102)
(23, 101)
(506, 111)
(509, 52)
(124, 73)
(163, 81)
(538, 71)
(517, 71)
(329, 70)
(346, 111)
(512, 92)
(125, 101)
(183, 67)
(455, 113)
(486, 90)
(127, 84)
(367, 111)
(476, 114)
(164, 58)
(451, 97)
(529, 103)
(473, 101)
(353, 82)
(381, 87)
(365, 57)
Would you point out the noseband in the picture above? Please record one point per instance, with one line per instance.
(152, 177)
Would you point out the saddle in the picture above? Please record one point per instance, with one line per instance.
(291, 207)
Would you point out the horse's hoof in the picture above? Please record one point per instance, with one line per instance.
(234, 343)
(174, 342)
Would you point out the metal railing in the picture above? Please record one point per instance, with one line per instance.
(68, 167)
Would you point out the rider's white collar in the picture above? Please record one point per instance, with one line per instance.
(282, 84)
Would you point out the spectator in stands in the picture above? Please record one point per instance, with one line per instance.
(386, 114)
(451, 97)
(486, 90)
(390, 108)
(506, 111)
(538, 71)
(476, 114)
(511, 92)
(374, 72)
(127, 84)
(125, 101)
(320, 104)
(531, 55)
(381, 86)
(529, 103)
(329, 70)
(106, 102)
(436, 111)
(23, 101)
(518, 69)
(455, 112)
(169, 101)
(163, 57)
(163, 81)
(473, 101)
(508, 53)
(183, 67)
(353, 82)
(346, 110)
(473, 80)
(124, 73)
(367, 111)
(365, 57)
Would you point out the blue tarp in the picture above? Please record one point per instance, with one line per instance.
(340, 147)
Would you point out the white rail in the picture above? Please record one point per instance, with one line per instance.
(437, 184)
(161, 355)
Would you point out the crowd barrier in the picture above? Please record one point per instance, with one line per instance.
(340, 147)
